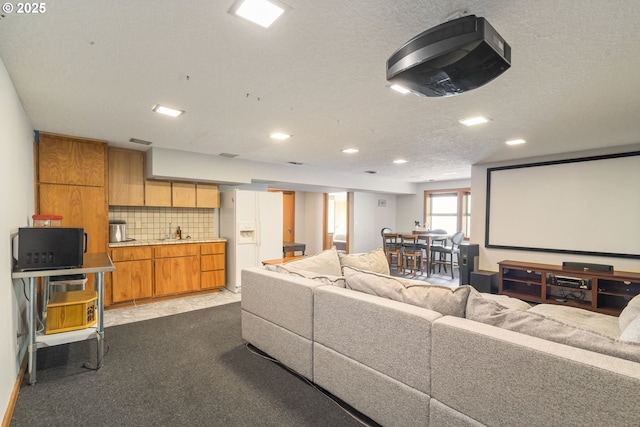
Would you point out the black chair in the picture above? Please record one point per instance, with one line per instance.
(439, 242)
(444, 255)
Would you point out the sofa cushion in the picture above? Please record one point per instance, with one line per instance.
(632, 331)
(585, 319)
(375, 261)
(326, 262)
(508, 301)
(630, 312)
(528, 322)
(444, 300)
(325, 279)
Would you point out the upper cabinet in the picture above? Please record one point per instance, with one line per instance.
(71, 161)
(157, 193)
(128, 186)
(183, 194)
(207, 196)
(126, 177)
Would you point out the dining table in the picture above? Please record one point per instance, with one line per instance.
(429, 237)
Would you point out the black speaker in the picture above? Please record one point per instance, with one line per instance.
(468, 261)
(485, 281)
(585, 266)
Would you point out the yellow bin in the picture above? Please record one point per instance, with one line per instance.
(69, 311)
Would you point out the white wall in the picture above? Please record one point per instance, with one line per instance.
(16, 172)
(309, 223)
(368, 218)
(489, 258)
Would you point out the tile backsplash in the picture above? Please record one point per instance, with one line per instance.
(145, 223)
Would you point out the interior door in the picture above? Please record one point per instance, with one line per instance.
(288, 216)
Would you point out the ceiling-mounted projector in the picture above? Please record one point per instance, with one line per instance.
(451, 58)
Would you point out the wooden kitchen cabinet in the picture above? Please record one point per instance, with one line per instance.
(207, 196)
(212, 265)
(80, 206)
(133, 276)
(70, 160)
(157, 193)
(126, 177)
(183, 194)
(176, 268)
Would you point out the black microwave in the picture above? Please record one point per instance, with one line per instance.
(42, 248)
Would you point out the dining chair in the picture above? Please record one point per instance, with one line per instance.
(411, 254)
(440, 242)
(444, 255)
(392, 247)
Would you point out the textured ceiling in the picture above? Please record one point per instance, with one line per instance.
(95, 68)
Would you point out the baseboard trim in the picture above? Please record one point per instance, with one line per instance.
(8, 415)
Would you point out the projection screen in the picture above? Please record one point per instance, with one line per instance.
(588, 206)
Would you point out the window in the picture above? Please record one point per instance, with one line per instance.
(449, 210)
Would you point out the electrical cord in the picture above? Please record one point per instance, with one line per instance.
(257, 352)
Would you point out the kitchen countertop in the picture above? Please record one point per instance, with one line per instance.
(165, 242)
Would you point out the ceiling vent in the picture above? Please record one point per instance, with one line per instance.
(451, 58)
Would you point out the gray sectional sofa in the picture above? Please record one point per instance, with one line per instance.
(403, 364)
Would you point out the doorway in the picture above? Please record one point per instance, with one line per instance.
(288, 216)
(336, 221)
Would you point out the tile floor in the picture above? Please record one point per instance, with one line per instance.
(120, 316)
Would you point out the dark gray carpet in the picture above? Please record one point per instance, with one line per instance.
(186, 369)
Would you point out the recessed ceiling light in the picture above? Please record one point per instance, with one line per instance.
(350, 150)
(167, 111)
(400, 161)
(472, 121)
(515, 142)
(400, 89)
(261, 12)
(280, 135)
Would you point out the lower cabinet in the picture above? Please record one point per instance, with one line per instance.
(133, 276)
(177, 269)
(159, 270)
(212, 259)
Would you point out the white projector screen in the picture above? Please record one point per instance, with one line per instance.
(588, 206)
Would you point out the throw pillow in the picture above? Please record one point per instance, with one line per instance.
(630, 312)
(632, 331)
(444, 300)
(325, 279)
(533, 324)
(326, 262)
(375, 261)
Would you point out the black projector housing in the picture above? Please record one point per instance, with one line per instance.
(451, 58)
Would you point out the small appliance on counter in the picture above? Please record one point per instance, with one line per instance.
(117, 231)
(41, 248)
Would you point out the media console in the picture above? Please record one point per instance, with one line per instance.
(602, 291)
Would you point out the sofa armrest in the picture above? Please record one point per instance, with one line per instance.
(284, 300)
(504, 378)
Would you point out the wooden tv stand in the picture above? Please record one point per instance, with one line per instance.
(609, 292)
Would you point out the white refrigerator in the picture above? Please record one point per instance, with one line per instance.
(251, 221)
